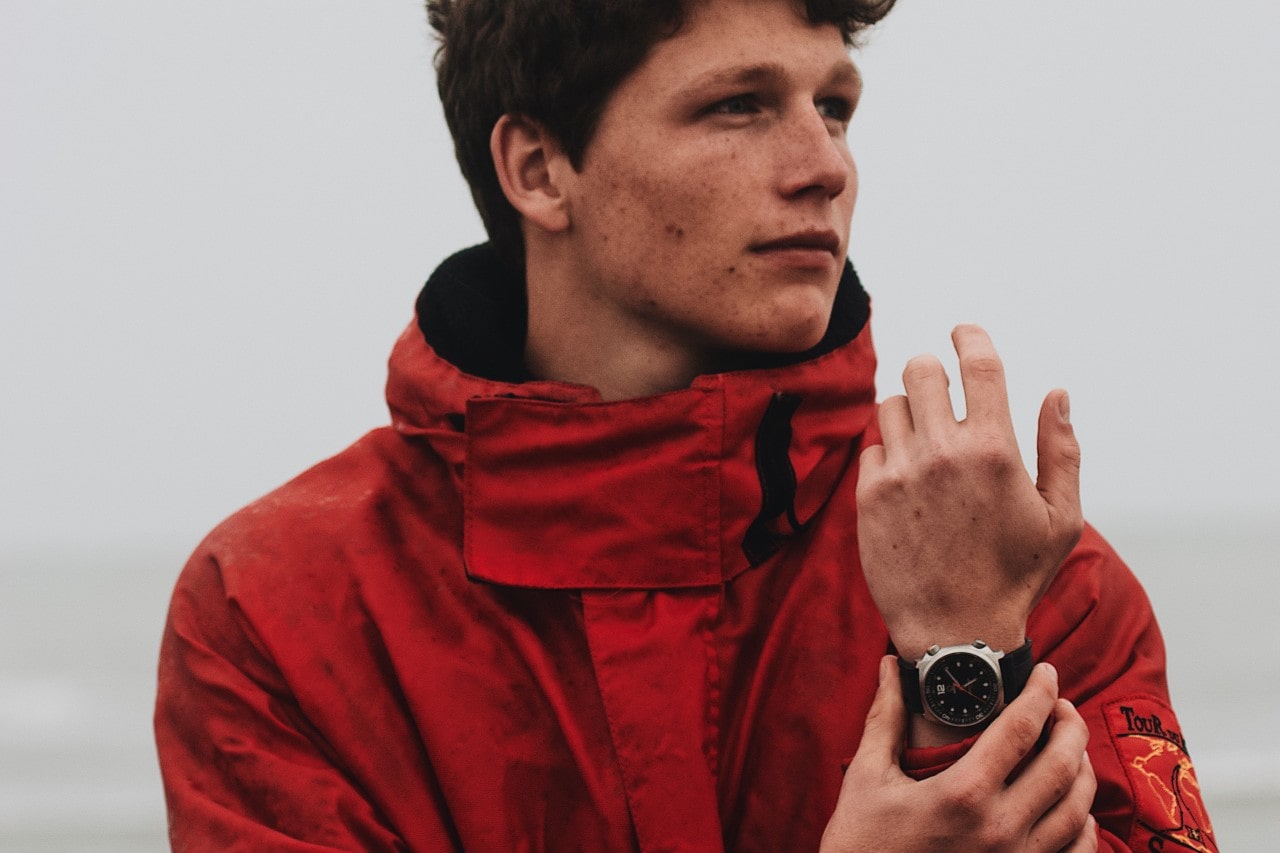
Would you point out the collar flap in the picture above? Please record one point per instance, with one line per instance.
(608, 512)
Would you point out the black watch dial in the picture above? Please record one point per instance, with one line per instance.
(961, 689)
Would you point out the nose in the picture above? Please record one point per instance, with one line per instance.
(813, 160)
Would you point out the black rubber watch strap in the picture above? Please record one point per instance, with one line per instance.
(1015, 669)
(910, 685)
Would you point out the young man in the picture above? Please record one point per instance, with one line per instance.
(624, 571)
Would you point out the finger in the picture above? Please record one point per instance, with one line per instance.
(926, 384)
(871, 459)
(895, 423)
(1064, 824)
(885, 731)
(1013, 735)
(1051, 778)
(1058, 458)
(1087, 840)
(877, 762)
(982, 375)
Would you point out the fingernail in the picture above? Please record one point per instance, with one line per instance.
(1064, 407)
(1050, 671)
(885, 663)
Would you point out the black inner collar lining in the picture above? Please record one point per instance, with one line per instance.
(473, 313)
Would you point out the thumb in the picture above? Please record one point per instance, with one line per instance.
(1058, 458)
(886, 727)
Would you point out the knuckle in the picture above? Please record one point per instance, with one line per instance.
(1076, 815)
(1023, 729)
(940, 461)
(921, 367)
(870, 458)
(881, 486)
(994, 453)
(964, 804)
(985, 365)
(895, 401)
(1060, 776)
(1071, 454)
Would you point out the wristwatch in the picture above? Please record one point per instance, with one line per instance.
(964, 686)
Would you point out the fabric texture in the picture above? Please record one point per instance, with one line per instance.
(522, 618)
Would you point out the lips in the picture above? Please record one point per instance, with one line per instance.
(813, 240)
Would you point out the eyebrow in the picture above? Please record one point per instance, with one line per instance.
(842, 73)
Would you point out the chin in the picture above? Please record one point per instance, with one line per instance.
(778, 338)
(798, 343)
(794, 331)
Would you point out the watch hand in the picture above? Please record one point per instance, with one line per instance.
(961, 687)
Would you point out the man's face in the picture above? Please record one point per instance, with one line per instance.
(713, 204)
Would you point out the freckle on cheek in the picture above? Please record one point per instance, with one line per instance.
(675, 230)
(731, 270)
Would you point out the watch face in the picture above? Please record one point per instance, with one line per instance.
(961, 689)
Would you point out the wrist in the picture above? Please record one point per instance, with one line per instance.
(912, 644)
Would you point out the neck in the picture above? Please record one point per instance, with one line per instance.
(573, 337)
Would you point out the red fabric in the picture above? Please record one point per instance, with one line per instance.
(536, 629)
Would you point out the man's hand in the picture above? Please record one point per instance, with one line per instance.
(971, 805)
(956, 541)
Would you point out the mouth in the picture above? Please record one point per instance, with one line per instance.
(814, 240)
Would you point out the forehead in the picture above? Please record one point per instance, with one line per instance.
(721, 34)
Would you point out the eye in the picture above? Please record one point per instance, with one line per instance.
(836, 108)
(736, 106)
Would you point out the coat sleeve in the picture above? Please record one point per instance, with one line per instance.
(242, 767)
(1095, 624)
(1097, 627)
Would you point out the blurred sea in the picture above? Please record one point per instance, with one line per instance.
(79, 631)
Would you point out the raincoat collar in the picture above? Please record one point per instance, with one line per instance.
(561, 490)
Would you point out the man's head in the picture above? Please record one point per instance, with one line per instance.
(557, 62)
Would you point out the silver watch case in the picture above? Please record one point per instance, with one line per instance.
(937, 654)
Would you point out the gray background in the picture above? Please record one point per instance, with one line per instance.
(214, 218)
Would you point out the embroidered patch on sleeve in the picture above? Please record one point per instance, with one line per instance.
(1169, 813)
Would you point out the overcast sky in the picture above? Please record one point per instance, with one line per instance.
(214, 218)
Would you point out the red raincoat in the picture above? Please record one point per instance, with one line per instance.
(522, 619)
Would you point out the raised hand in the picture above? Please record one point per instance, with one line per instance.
(956, 541)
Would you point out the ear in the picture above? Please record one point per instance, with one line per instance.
(530, 166)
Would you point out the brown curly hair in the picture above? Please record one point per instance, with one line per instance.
(557, 62)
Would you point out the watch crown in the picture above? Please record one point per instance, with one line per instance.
(978, 644)
(933, 650)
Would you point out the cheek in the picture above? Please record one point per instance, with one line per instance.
(694, 199)
(705, 241)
